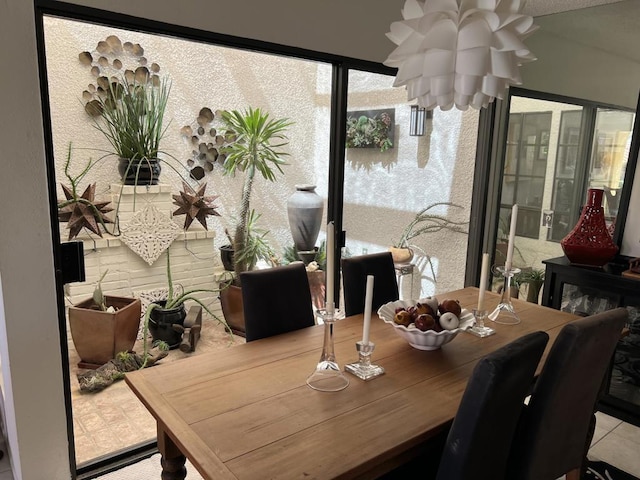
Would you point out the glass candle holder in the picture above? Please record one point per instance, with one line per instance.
(504, 313)
(327, 377)
(480, 329)
(363, 368)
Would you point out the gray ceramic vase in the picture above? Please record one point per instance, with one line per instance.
(305, 208)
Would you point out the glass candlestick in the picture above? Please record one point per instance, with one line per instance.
(327, 376)
(363, 368)
(504, 313)
(480, 329)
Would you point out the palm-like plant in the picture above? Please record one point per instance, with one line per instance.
(257, 149)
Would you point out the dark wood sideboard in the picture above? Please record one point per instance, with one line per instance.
(587, 290)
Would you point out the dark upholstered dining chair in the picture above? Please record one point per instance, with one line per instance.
(555, 429)
(478, 443)
(354, 281)
(276, 300)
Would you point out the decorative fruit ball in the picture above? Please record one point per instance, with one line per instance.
(403, 317)
(425, 308)
(425, 322)
(449, 321)
(432, 302)
(452, 306)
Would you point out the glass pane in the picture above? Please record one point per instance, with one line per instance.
(563, 207)
(569, 167)
(202, 75)
(509, 189)
(611, 143)
(384, 189)
(530, 191)
(567, 159)
(528, 224)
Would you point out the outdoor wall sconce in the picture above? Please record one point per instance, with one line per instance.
(417, 121)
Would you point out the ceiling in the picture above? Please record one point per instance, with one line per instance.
(537, 8)
(612, 26)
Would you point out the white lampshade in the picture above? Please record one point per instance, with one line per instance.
(459, 52)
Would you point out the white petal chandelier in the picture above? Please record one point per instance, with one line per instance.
(459, 52)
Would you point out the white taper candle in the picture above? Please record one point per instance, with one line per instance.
(484, 274)
(330, 249)
(512, 235)
(368, 300)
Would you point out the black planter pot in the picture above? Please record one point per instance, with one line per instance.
(161, 323)
(139, 172)
(226, 255)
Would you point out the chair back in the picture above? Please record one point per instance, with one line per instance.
(354, 281)
(553, 434)
(478, 442)
(276, 300)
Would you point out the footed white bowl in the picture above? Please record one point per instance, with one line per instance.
(429, 340)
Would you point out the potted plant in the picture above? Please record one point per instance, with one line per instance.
(257, 149)
(423, 223)
(130, 115)
(256, 248)
(103, 326)
(534, 279)
(81, 210)
(163, 318)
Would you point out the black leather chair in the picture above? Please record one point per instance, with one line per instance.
(555, 429)
(478, 443)
(276, 300)
(354, 281)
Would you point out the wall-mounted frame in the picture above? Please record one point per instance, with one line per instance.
(371, 129)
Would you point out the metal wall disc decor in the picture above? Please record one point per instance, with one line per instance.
(206, 143)
(149, 233)
(113, 61)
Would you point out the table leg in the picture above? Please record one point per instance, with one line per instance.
(173, 461)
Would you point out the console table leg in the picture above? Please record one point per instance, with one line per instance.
(173, 461)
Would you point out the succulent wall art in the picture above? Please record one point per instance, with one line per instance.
(370, 129)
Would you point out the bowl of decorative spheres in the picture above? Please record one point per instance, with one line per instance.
(431, 339)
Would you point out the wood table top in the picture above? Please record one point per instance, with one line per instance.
(247, 412)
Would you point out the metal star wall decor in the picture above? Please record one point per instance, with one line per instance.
(195, 205)
(149, 233)
(83, 212)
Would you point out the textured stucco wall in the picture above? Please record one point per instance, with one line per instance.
(432, 165)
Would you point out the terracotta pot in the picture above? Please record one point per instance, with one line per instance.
(401, 255)
(589, 243)
(98, 336)
(231, 302)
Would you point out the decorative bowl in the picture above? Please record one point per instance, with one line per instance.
(428, 340)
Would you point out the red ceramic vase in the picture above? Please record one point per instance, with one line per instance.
(589, 243)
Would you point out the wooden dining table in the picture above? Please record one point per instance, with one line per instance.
(246, 412)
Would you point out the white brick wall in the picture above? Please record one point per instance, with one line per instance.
(195, 263)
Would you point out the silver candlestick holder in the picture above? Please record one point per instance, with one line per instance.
(480, 329)
(363, 368)
(327, 376)
(504, 313)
